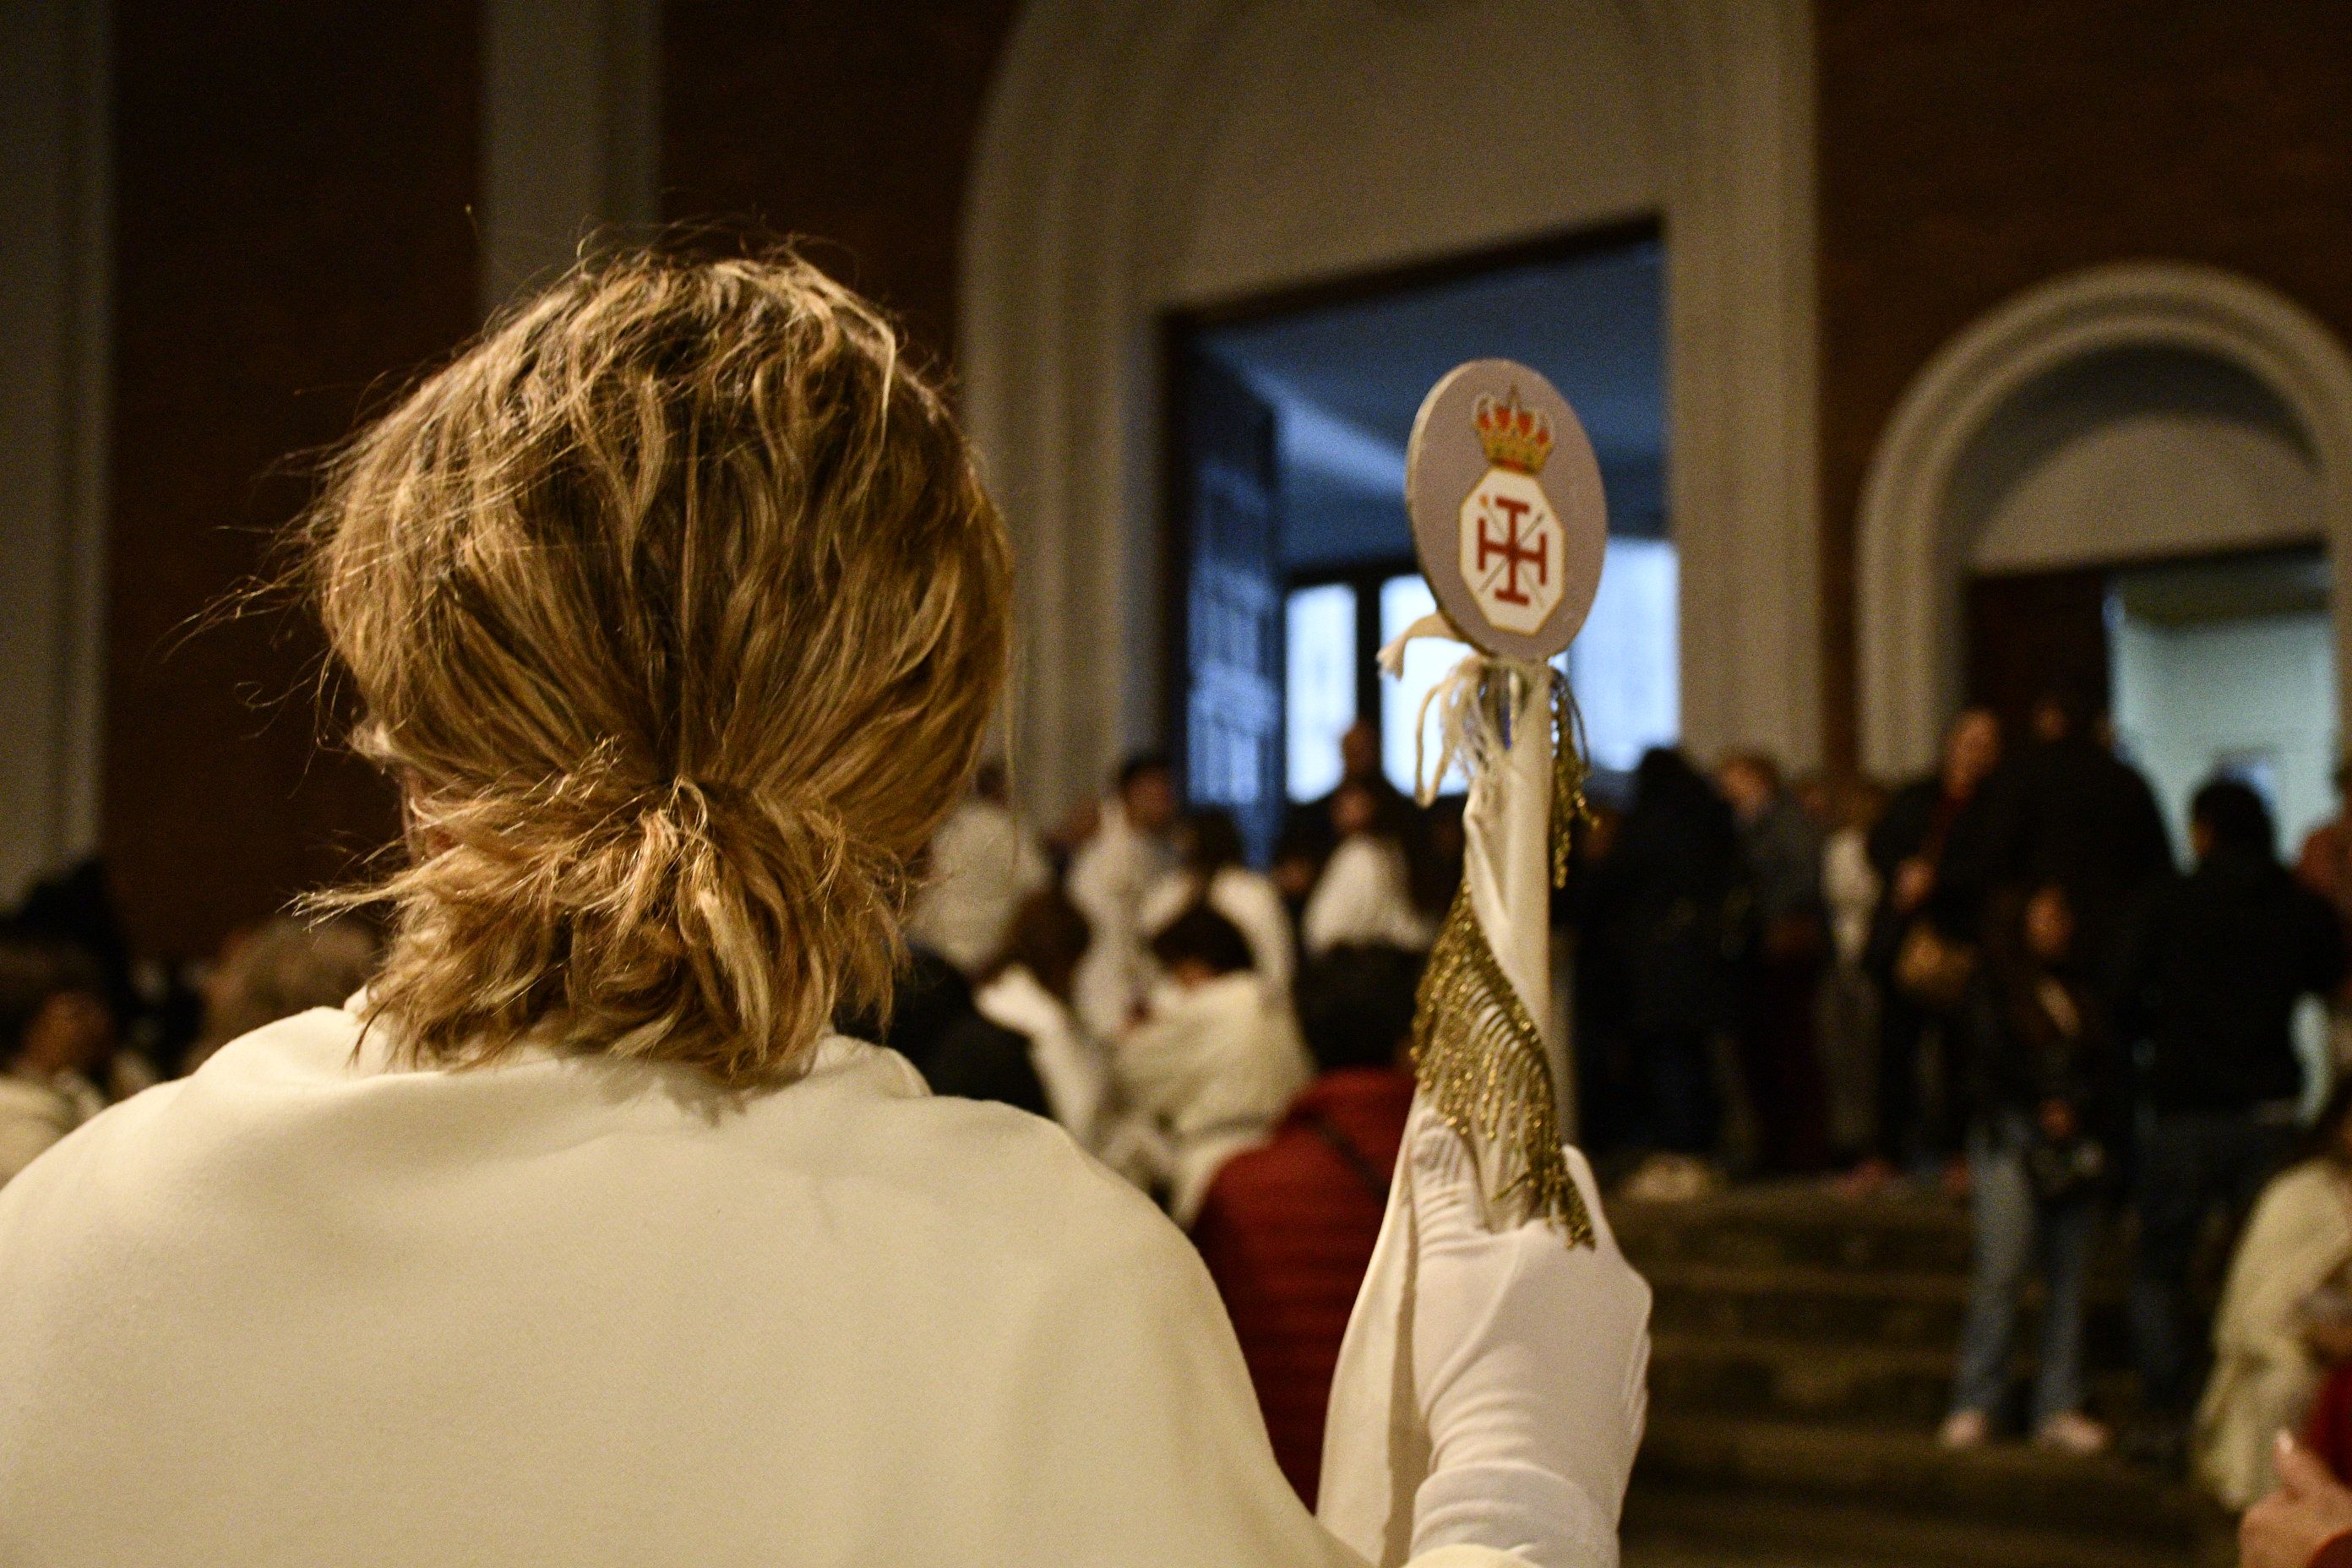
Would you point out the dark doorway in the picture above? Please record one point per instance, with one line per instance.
(2206, 665)
(2036, 633)
(1228, 503)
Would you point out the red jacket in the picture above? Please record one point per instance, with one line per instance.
(1288, 1229)
(2328, 1434)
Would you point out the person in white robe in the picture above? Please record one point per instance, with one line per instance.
(2285, 1317)
(1026, 989)
(1364, 898)
(1216, 1062)
(576, 1311)
(983, 862)
(1109, 878)
(1846, 1008)
(580, 1240)
(54, 1027)
(1212, 872)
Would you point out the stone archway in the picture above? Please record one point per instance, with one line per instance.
(1917, 516)
(1144, 155)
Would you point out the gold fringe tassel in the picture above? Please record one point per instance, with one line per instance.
(1475, 1049)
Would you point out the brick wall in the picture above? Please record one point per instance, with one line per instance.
(291, 238)
(1971, 149)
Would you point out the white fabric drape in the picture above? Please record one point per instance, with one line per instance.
(1364, 898)
(1073, 1068)
(984, 862)
(1109, 881)
(571, 1312)
(1377, 1456)
(2298, 1240)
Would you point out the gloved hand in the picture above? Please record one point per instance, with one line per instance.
(1531, 1362)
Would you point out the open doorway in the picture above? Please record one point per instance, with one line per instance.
(2224, 665)
(1289, 542)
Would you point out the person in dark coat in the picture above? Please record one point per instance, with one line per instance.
(1780, 982)
(1287, 1228)
(1931, 850)
(2067, 809)
(2210, 977)
(1309, 830)
(1673, 898)
(935, 1024)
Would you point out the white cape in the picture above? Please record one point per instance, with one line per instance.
(568, 1311)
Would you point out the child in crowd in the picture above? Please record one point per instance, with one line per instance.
(1214, 1062)
(2045, 1079)
(1027, 991)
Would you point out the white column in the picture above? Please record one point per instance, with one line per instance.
(570, 133)
(55, 265)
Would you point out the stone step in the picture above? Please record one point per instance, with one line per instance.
(1803, 1224)
(1811, 1305)
(1736, 1375)
(1901, 1386)
(1905, 1476)
(1675, 1528)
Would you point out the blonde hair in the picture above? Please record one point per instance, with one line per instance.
(676, 605)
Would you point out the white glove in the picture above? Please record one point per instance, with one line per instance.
(1531, 1364)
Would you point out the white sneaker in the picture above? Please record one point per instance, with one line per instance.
(1964, 1429)
(2074, 1433)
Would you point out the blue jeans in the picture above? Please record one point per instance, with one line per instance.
(2013, 1230)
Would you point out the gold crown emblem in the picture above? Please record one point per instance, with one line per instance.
(1515, 436)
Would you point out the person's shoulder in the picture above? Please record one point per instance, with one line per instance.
(51, 1195)
(2307, 1179)
(1006, 1165)
(2297, 1198)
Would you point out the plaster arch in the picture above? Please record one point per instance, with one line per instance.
(1143, 155)
(1913, 541)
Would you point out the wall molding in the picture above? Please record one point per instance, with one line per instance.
(1084, 226)
(1912, 562)
(571, 133)
(56, 333)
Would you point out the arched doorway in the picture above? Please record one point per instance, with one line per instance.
(2128, 414)
(1145, 156)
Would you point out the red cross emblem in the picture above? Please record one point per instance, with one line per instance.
(1514, 556)
(1514, 552)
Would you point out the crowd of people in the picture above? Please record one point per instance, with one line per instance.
(1994, 980)
(85, 1024)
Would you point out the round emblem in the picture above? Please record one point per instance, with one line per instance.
(1507, 513)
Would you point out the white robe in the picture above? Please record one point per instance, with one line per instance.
(1244, 896)
(2298, 1239)
(1364, 898)
(1211, 1070)
(1073, 1070)
(572, 1312)
(1109, 881)
(984, 863)
(34, 1115)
